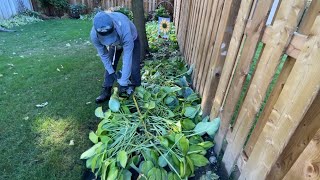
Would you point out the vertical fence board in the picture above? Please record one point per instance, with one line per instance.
(308, 164)
(228, 17)
(305, 27)
(208, 57)
(200, 38)
(207, 39)
(202, 44)
(298, 142)
(301, 89)
(253, 31)
(190, 31)
(198, 31)
(195, 22)
(287, 67)
(283, 27)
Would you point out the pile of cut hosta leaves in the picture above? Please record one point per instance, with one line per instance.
(156, 133)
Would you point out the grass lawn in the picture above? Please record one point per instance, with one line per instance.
(37, 65)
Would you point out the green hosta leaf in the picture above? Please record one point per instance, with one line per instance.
(206, 145)
(190, 164)
(125, 175)
(150, 105)
(184, 145)
(113, 172)
(105, 139)
(183, 82)
(125, 109)
(198, 160)
(99, 113)
(89, 162)
(187, 124)
(173, 176)
(90, 152)
(122, 157)
(164, 141)
(214, 126)
(104, 169)
(189, 72)
(169, 100)
(207, 127)
(191, 112)
(94, 162)
(192, 97)
(145, 167)
(164, 174)
(93, 137)
(114, 104)
(195, 139)
(196, 149)
(187, 92)
(162, 161)
(152, 171)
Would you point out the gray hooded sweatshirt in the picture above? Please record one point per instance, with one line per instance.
(127, 33)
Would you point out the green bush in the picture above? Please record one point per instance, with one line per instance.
(57, 4)
(161, 12)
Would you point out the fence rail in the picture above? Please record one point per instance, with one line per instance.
(149, 5)
(270, 116)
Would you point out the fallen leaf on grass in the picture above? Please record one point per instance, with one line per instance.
(58, 69)
(42, 105)
(71, 142)
(68, 45)
(1, 75)
(15, 73)
(11, 65)
(26, 118)
(88, 103)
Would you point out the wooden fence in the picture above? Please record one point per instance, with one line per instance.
(149, 5)
(9, 8)
(274, 135)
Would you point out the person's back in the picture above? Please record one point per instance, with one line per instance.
(111, 34)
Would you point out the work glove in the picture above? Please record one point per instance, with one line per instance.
(125, 91)
(113, 77)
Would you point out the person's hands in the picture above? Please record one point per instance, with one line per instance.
(114, 76)
(123, 91)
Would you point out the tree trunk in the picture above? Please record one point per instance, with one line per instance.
(140, 23)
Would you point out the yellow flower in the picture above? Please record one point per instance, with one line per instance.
(164, 26)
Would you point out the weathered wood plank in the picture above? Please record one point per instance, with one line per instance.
(198, 32)
(192, 25)
(213, 37)
(307, 165)
(287, 67)
(297, 42)
(253, 31)
(201, 41)
(206, 50)
(227, 21)
(233, 51)
(284, 25)
(300, 89)
(298, 142)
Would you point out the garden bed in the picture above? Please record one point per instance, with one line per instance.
(159, 132)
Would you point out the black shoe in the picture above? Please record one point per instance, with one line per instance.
(104, 96)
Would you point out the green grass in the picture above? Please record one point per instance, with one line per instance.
(34, 142)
